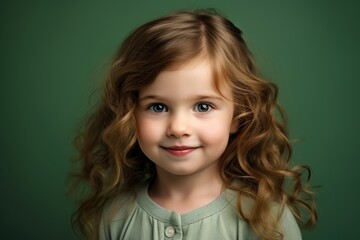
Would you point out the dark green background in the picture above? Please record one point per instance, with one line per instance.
(53, 54)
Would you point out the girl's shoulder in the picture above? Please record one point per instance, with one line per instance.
(119, 207)
(288, 224)
(115, 212)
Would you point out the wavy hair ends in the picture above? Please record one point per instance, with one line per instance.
(257, 155)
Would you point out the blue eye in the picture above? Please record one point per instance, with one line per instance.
(157, 108)
(203, 107)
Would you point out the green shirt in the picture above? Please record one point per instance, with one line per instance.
(141, 218)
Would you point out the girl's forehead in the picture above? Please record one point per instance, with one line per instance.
(195, 77)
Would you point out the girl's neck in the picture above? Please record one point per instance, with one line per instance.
(185, 193)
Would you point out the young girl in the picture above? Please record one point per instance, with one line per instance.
(189, 142)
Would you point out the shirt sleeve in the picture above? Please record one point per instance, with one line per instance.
(289, 226)
(114, 215)
(102, 232)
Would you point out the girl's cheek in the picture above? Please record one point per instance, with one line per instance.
(148, 129)
(215, 134)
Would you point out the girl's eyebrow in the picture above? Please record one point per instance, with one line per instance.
(152, 97)
(210, 97)
(195, 98)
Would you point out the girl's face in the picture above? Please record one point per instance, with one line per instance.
(183, 122)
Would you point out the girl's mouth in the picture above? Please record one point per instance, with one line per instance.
(179, 151)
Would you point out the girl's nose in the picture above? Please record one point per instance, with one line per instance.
(178, 126)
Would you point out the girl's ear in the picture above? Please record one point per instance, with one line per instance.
(234, 126)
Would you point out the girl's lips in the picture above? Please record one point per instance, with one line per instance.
(179, 151)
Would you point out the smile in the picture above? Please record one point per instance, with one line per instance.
(179, 151)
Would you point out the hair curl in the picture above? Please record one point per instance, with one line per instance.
(257, 155)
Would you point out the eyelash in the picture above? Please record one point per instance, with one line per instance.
(164, 108)
(153, 105)
(208, 106)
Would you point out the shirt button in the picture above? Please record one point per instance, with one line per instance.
(169, 231)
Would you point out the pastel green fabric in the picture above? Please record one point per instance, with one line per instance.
(128, 218)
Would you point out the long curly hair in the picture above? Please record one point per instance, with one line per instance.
(257, 156)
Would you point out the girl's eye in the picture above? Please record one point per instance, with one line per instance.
(203, 107)
(157, 108)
